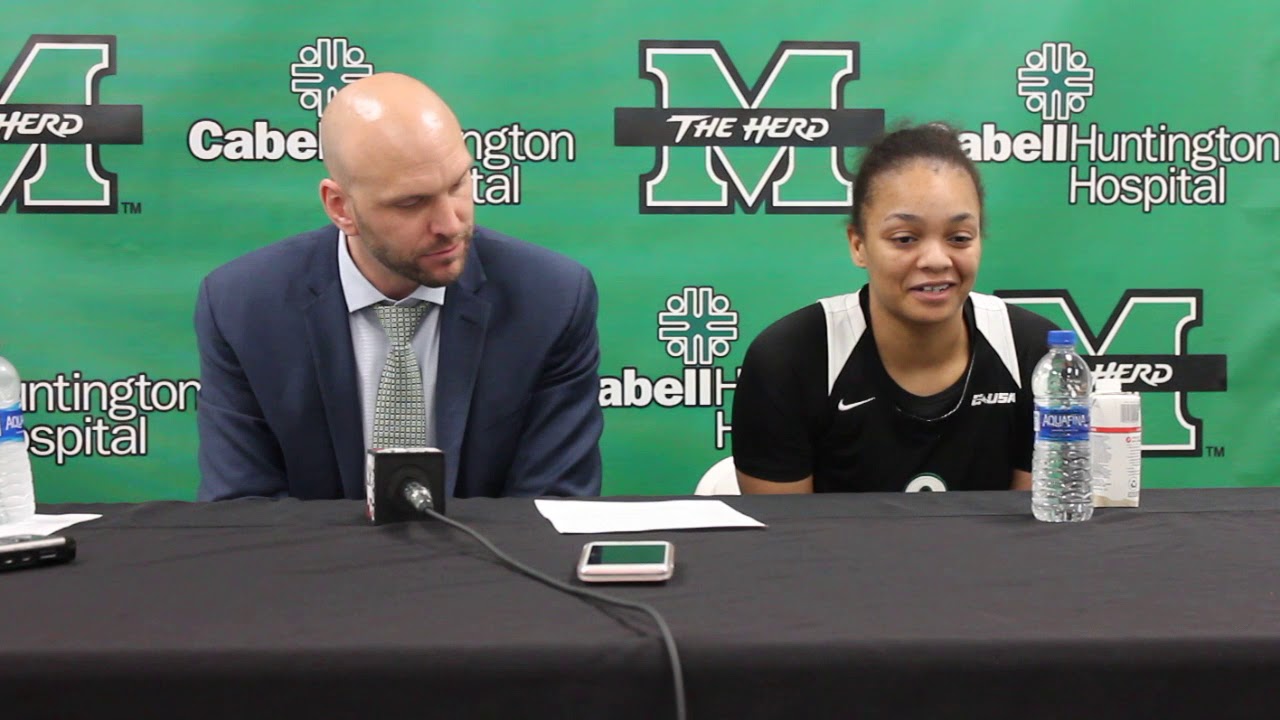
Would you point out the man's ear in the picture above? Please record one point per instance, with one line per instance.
(857, 246)
(337, 205)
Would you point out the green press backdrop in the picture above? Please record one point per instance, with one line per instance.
(694, 155)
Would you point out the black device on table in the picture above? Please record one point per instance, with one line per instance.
(24, 551)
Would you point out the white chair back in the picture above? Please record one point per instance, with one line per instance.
(720, 479)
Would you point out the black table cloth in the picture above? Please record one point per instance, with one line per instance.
(868, 606)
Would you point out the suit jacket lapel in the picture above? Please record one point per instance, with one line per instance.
(463, 321)
(329, 331)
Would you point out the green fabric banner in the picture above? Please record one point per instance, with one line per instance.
(696, 156)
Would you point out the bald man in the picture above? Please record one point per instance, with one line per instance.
(306, 343)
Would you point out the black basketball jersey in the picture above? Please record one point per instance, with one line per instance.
(813, 398)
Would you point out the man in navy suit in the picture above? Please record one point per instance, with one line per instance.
(292, 351)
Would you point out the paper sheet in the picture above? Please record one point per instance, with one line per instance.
(44, 524)
(603, 516)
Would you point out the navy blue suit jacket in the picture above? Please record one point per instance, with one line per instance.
(517, 386)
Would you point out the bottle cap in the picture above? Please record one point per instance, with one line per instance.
(1107, 386)
(1062, 337)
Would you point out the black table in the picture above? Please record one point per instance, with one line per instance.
(868, 606)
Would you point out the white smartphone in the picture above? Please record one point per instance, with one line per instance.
(611, 561)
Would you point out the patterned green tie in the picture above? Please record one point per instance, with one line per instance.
(400, 417)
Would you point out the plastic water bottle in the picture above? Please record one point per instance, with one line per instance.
(1061, 486)
(17, 494)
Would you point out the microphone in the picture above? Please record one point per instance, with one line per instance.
(403, 484)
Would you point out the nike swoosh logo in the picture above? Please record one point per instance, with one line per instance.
(842, 406)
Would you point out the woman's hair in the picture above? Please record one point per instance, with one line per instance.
(932, 141)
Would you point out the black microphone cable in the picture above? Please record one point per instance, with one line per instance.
(420, 499)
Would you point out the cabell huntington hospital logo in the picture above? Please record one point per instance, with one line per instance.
(1056, 83)
(697, 326)
(319, 70)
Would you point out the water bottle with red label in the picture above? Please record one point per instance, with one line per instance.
(1115, 440)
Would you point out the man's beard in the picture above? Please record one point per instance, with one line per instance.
(408, 268)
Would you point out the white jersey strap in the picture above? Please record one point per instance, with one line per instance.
(845, 326)
(991, 315)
